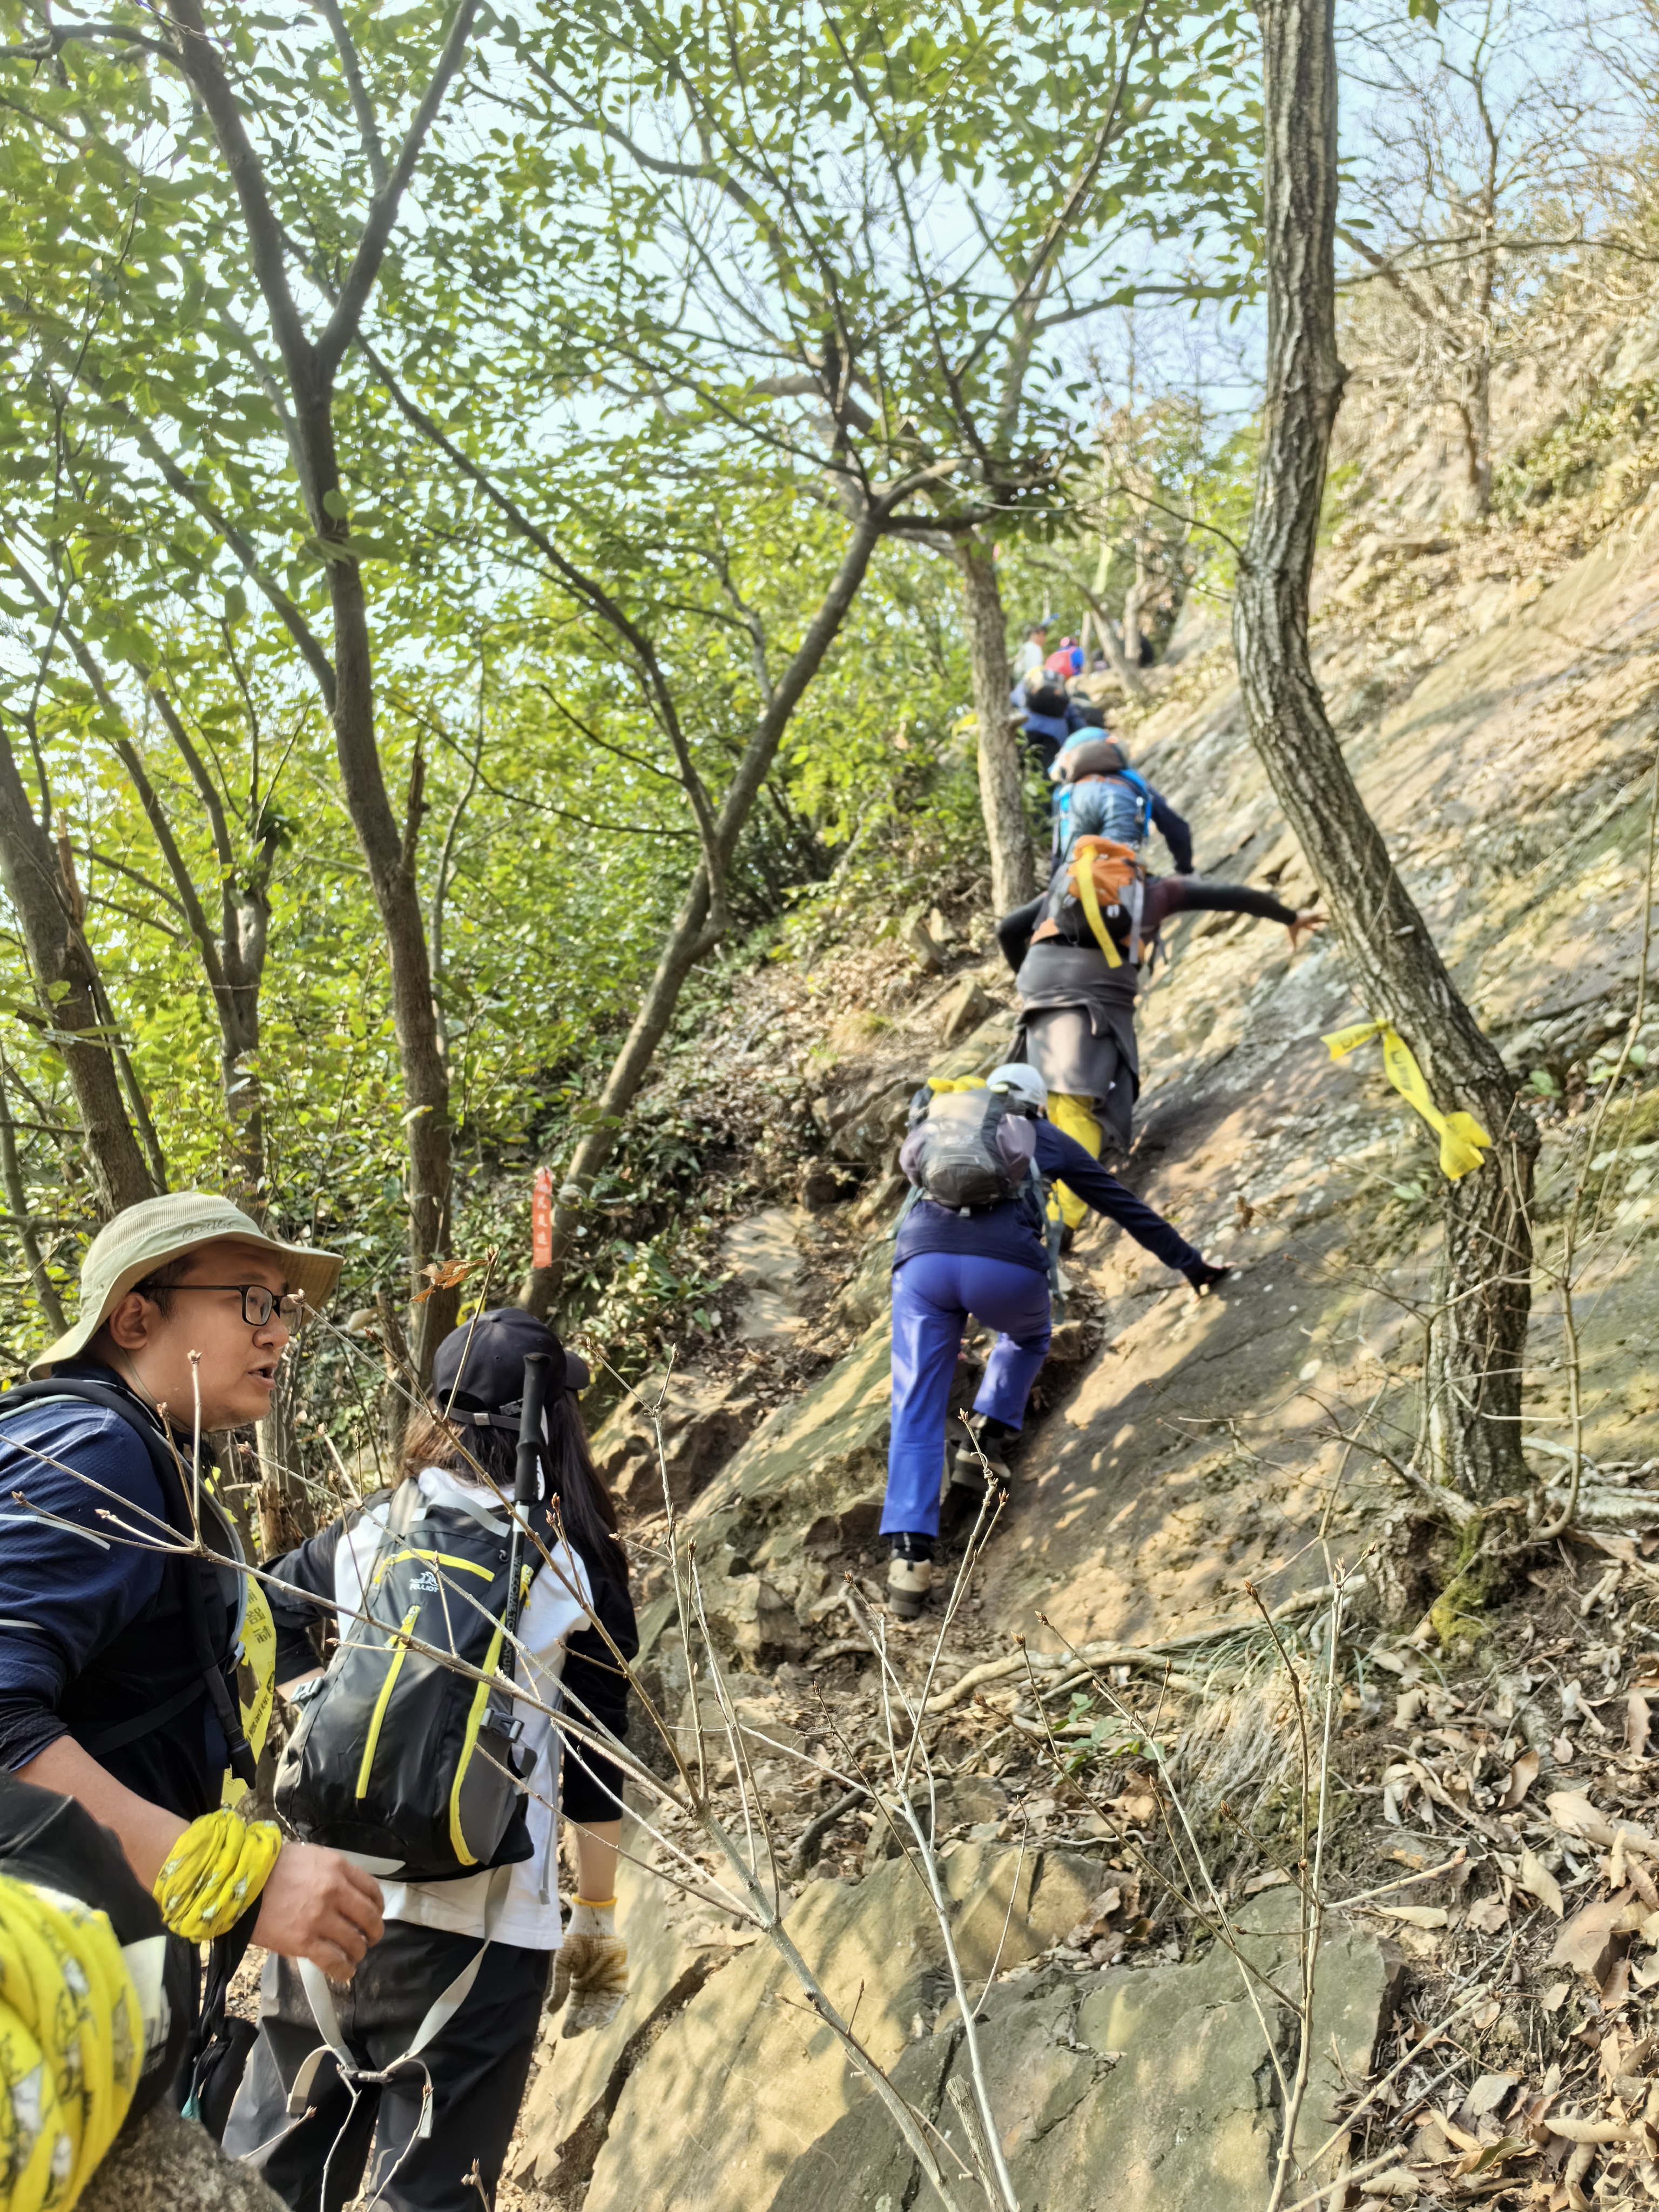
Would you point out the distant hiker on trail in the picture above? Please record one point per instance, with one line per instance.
(497, 1547)
(1051, 716)
(1077, 954)
(1066, 661)
(1031, 654)
(974, 1238)
(1098, 794)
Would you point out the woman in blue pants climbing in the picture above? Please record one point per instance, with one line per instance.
(990, 1261)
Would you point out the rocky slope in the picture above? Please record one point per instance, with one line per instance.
(1498, 700)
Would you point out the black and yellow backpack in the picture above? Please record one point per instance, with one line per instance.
(399, 1756)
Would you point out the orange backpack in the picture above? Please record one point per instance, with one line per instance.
(1100, 888)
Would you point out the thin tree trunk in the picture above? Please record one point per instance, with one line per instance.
(17, 1197)
(1130, 678)
(1134, 600)
(390, 854)
(66, 981)
(232, 962)
(1479, 1332)
(285, 1515)
(694, 933)
(1474, 413)
(1002, 780)
(310, 368)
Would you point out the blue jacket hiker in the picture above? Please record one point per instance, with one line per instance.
(974, 1240)
(1052, 716)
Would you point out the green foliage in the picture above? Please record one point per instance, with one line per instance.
(672, 299)
(1604, 446)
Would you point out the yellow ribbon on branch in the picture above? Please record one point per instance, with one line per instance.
(1461, 1137)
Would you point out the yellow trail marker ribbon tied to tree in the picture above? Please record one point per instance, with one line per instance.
(1461, 1137)
(71, 2046)
(214, 1873)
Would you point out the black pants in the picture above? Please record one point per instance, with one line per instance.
(477, 2066)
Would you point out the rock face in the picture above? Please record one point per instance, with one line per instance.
(1149, 2090)
(764, 1261)
(966, 1005)
(165, 2164)
(746, 2079)
(577, 2084)
(703, 1423)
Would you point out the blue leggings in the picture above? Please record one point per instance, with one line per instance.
(933, 1294)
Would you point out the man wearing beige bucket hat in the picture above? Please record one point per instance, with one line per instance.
(117, 1657)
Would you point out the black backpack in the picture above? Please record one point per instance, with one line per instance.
(398, 1756)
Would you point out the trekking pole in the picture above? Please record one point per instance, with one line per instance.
(525, 1483)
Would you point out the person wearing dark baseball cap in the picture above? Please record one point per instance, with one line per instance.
(433, 2138)
(120, 1657)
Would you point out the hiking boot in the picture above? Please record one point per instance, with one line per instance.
(908, 1582)
(991, 1436)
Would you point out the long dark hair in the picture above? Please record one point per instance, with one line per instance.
(585, 1509)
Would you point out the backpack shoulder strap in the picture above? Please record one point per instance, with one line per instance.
(1050, 1227)
(1143, 790)
(112, 1402)
(404, 1507)
(170, 1477)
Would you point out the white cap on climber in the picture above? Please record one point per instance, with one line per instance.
(1021, 1085)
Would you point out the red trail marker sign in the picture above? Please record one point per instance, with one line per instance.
(541, 1219)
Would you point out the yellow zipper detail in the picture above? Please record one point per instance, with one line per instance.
(382, 1701)
(468, 1744)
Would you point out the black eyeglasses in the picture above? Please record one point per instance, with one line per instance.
(257, 1303)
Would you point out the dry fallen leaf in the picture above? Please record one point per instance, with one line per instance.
(1490, 1917)
(1275, 1880)
(1573, 1814)
(1638, 1719)
(1494, 2154)
(1489, 2092)
(1554, 1999)
(1416, 1915)
(1408, 1707)
(1522, 1775)
(1583, 1943)
(1538, 1881)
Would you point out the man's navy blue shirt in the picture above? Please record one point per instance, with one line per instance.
(1009, 1233)
(94, 1630)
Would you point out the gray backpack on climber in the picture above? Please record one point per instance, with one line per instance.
(402, 1759)
(964, 1148)
(968, 1148)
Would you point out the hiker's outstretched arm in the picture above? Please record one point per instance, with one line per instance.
(1062, 1157)
(1187, 895)
(1173, 829)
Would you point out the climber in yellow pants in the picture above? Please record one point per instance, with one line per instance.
(1075, 1117)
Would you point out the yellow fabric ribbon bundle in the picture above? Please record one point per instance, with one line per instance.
(1461, 1137)
(214, 1873)
(71, 2046)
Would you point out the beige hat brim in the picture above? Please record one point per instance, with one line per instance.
(312, 1274)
